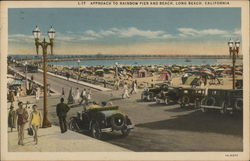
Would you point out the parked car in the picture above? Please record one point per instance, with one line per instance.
(191, 96)
(172, 94)
(99, 119)
(224, 100)
(149, 94)
(239, 84)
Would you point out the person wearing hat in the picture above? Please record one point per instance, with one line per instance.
(61, 110)
(12, 118)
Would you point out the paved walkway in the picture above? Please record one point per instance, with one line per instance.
(79, 82)
(51, 140)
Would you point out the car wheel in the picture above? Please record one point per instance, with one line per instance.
(125, 132)
(158, 101)
(223, 110)
(166, 101)
(203, 110)
(117, 121)
(142, 97)
(96, 131)
(73, 125)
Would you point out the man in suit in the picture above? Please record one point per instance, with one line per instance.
(61, 111)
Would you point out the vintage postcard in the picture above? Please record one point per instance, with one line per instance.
(124, 80)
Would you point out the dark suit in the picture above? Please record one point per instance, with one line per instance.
(61, 111)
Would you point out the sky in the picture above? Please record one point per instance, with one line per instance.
(126, 30)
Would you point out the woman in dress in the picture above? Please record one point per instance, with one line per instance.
(35, 122)
(12, 118)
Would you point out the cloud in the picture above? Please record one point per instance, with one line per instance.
(133, 31)
(185, 32)
(93, 33)
(21, 38)
(237, 32)
(128, 33)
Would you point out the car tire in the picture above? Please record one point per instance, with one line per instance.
(185, 100)
(117, 121)
(73, 125)
(238, 104)
(158, 101)
(166, 101)
(203, 110)
(125, 132)
(210, 101)
(223, 110)
(96, 131)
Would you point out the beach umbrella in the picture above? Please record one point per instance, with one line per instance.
(15, 82)
(207, 72)
(129, 74)
(99, 70)
(238, 72)
(160, 69)
(111, 71)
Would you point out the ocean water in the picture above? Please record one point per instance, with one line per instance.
(137, 62)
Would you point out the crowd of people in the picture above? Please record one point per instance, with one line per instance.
(77, 97)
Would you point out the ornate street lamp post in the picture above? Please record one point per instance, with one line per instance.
(234, 52)
(116, 70)
(44, 45)
(78, 62)
(25, 71)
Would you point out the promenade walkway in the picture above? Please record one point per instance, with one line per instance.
(51, 140)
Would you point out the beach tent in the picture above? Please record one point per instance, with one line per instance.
(189, 80)
(142, 73)
(165, 75)
(15, 82)
(129, 74)
(99, 72)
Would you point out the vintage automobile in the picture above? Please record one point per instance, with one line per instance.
(149, 94)
(224, 100)
(172, 94)
(191, 96)
(99, 119)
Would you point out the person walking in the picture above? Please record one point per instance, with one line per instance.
(70, 97)
(63, 93)
(37, 94)
(134, 87)
(125, 91)
(61, 110)
(49, 94)
(88, 96)
(35, 122)
(17, 93)
(83, 96)
(12, 97)
(12, 118)
(77, 95)
(22, 118)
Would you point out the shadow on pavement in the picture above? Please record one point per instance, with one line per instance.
(200, 122)
(162, 104)
(179, 109)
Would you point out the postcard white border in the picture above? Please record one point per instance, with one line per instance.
(243, 4)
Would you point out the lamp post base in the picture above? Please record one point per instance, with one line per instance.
(46, 123)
